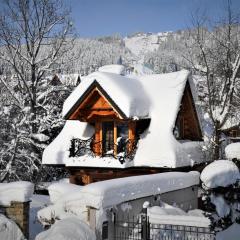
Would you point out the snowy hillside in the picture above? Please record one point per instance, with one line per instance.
(141, 43)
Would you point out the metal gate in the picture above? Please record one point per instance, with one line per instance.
(139, 228)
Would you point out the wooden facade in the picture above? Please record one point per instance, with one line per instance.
(187, 119)
(97, 108)
(84, 175)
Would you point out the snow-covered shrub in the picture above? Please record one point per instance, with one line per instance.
(70, 228)
(9, 230)
(220, 193)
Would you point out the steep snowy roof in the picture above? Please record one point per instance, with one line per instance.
(158, 143)
(157, 97)
(57, 152)
(127, 93)
(113, 68)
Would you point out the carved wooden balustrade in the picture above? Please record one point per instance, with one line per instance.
(124, 151)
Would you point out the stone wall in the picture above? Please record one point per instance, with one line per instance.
(19, 213)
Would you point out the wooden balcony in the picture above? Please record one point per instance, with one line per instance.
(122, 151)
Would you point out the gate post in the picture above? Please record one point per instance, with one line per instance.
(145, 224)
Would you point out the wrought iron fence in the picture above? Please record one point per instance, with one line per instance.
(141, 229)
(123, 152)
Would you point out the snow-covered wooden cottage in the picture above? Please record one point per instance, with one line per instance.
(119, 126)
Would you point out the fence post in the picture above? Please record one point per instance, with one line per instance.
(144, 222)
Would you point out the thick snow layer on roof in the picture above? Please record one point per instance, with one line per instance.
(113, 68)
(158, 147)
(233, 151)
(127, 93)
(157, 97)
(112, 192)
(58, 151)
(68, 229)
(220, 173)
(139, 69)
(175, 216)
(15, 191)
(9, 230)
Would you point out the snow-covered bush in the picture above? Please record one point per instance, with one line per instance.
(220, 193)
(68, 229)
(9, 230)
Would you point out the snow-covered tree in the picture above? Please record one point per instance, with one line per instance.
(215, 54)
(34, 36)
(220, 196)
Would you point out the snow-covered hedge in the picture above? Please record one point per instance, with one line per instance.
(16, 191)
(220, 173)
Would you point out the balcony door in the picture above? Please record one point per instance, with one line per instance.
(108, 137)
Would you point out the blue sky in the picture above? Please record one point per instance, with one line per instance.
(94, 18)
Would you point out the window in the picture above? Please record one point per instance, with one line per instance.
(115, 136)
(108, 137)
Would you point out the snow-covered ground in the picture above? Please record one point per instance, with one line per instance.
(37, 202)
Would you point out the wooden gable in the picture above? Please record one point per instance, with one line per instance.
(187, 118)
(93, 107)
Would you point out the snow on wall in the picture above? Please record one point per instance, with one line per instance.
(105, 194)
(220, 173)
(71, 228)
(20, 191)
(233, 151)
(57, 190)
(112, 192)
(58, 151)
(157, 96)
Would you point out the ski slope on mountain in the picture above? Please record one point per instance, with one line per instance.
(142, 43)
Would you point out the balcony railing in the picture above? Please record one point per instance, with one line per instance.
(122, 151)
